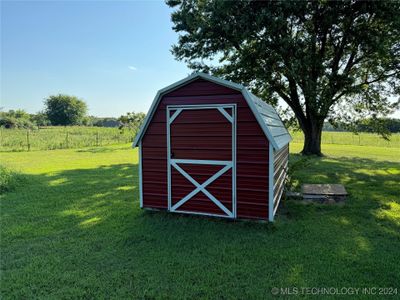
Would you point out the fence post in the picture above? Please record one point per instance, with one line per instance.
(27, 140)
(66, 140)
(97, 138)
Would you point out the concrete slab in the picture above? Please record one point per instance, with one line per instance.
(324, 190)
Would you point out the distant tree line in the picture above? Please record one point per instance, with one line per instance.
(66, 110)
(21, 119)
(391, 124)
(380, 125)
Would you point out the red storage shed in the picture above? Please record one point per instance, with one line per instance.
(208, 146)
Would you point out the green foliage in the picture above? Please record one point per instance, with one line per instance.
(21, 119)
(132, 120)
(9, 180)
(75, 231)
(16, 119)
(294, 166)
(325, 59)
(392, 124)
(386, 126)
(378, 125)
(65, 110)
(40, 119)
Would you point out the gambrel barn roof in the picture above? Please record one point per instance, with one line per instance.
(266, 115)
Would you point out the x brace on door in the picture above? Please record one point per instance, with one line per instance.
(202, 187)
(227, 165)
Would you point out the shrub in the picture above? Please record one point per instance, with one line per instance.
(15, 119)
(294, 166)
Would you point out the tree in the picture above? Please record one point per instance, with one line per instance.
(40, 119)
(65, 110)
(16, 119)
(325, 59)
(132, 120)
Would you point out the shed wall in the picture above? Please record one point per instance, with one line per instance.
(251, 156)
(281, 159)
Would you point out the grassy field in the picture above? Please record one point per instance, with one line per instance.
(73, 229)
(349, 138)
(50, 138)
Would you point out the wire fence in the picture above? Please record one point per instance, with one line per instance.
(349, 138)
(50, 138)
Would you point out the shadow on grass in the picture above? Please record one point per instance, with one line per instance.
(87, 237)
(371, 185)
(354, 173)
(101, 149)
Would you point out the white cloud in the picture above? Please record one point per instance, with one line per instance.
(132, 68)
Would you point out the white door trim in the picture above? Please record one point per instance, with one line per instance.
(171, 162)
(227, 116)
(173, 117)
(203, 162)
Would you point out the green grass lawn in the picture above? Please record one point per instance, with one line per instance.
(73, 228)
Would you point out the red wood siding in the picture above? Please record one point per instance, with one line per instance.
(189, 131)
(252, 150)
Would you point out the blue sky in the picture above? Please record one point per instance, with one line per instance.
(114, 55)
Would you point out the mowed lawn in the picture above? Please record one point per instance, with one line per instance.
(74, 229)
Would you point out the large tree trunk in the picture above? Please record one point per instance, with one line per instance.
(312, 138)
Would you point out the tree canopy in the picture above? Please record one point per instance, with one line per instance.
(131, 120)
(326, 59)
(16, 119)
(65, 110)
